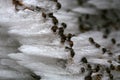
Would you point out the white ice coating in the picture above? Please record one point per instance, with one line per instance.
(9, 69)
(40, 49)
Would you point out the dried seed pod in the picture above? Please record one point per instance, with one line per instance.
(112, 67)
(71, 43)
(84, 60)
(107, 31)
(97, 68)
(105, 36)
(43, 15)
(119, 57)
(82, 69)
(38, 8)
(64, 25)
(50, 15)
(54, 28)
(110, 53)
(14, 2)
(89, 66)
(104, 50)
(118, 44)
(58, 5)
(111, 76)
(69, 36)
(67, 47)
(36, 76)
(87, 16)
(72, 53)
(54, 20)
(97, 45)
(108, 70)
(29, 8)
(118, 68)
(97, 77)
(55, 0)
(109, 61)
(113, 41)
(63, 38)
(17, 3)
(81, 28)
(62, 41)
(88, 77)
(91, 40)
(61, 31)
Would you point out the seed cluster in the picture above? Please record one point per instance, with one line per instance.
(66, 38)
(18, 3)
(54, 28)
(58, 30)
(108, 70)
(36, 76)
(104, 50)
(91, 40)
(107, 27)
